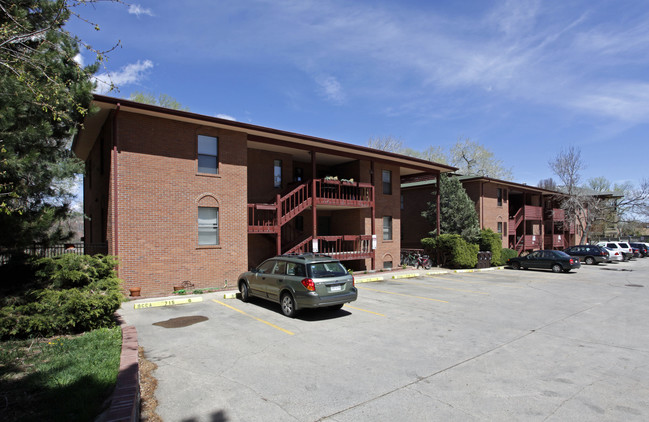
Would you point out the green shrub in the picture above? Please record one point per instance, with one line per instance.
(491, 241)
(72, 294)
(507, 254)
(453, 250)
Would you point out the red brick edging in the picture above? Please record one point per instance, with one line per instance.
(125, 402)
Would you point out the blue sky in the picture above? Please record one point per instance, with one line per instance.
(523, 78)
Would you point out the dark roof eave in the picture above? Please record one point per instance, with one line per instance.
(417, 162)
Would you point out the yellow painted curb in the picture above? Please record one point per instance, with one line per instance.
(436, 272)
(230, 296)
(367, 280)
(411, 275)
(169, 302)
(463, 271)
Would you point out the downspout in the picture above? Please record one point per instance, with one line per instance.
(373, 219)
(115, 187)
(438, 201)
(482, 205)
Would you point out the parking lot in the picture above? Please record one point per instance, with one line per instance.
(496, 345)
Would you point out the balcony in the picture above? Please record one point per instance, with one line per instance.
(553, 241)
(527, 242)
(555, 214)
(344, 248)
(525, 213)
(344, 194)
(329, 194)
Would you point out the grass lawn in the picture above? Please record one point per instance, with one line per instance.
(58, 379)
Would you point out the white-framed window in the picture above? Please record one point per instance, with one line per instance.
(387, 228)
(208, 226)
(208, 157)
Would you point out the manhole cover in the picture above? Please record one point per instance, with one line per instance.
(180, 322)
(634, 285)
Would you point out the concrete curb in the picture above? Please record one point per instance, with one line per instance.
(125, 401)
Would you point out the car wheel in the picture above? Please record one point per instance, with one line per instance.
(516, 265)
(589, 260)
(245, 293)
(556, 268)
(288, 305)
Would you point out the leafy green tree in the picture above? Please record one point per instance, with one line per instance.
(45, 94)
(163, 100)
(457, 213)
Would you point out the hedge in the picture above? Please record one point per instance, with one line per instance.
(491, 241)
(68, 294)
(453, 250)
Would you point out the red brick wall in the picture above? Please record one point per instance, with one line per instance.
(261, 176)
(414, 227)
(387, 205)
(159, 194)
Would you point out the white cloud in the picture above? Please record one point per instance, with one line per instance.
(331, 89)
(79, 59)
(137, 10)
(625, 101)
(226, 117)
(129, 74)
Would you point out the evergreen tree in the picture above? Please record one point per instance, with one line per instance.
(457, 214)
(44, 95)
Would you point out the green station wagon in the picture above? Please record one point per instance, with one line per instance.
(300, 281)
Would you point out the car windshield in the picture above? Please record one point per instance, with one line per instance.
(327, 269)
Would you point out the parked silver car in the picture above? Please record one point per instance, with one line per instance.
(300, 281)
(614, 255)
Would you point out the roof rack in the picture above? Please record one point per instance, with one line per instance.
(307, 255)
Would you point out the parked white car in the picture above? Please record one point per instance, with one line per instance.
(614, 256)
(624, 248)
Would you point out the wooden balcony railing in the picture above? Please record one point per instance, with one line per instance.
(554, 241)
(350, 194)
(527, 242)
(344, 248)
(268, 218)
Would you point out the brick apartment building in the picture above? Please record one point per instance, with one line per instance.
(528, 218)
(182, 197)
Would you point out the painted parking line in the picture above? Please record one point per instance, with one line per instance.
(402, 294)
(441, 287)
(254, 317)
(491, 283)
(363, 310)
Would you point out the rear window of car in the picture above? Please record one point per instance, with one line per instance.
(611, 245)
(561, 254)
(327, 269)
(624, 245)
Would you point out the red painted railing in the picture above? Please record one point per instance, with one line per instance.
(350, 194)
(262, 218)
(554, 241)
(268, 218)
(527, 242)
(344, 248)
(557, 214)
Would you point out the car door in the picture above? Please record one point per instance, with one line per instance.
(259, 280)
(534, 260)
(276, 280)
